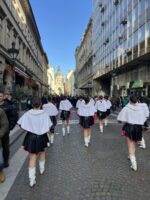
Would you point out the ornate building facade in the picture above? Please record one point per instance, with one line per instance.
(69, 84)
(18, 25)
(84, 59)
(59, 82)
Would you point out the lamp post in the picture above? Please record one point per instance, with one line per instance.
(13, 52)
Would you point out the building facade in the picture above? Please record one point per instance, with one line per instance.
(59, 82)
(84, 57)
(17, 24)
(69, 84)
(51, 80)
(121, 45)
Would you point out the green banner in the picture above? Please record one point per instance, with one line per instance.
(137, 84)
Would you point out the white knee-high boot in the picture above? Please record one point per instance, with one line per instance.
(48, 143)
(101, 128)
(89, 138)
(106, 122)
(133, 162)
(32, 176)
(52, 138)
(142, 143)
(63, 131)
(86, 141)
(42, 166)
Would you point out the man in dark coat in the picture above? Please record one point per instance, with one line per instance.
(4, 129)
(12, 117)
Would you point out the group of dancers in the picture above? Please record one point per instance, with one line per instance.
(40, 125)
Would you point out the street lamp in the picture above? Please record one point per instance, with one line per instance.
(13, 52)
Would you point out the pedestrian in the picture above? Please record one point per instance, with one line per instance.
(146, 112)
(4, 129)
(12, 117)
(108, 109)
(101, 109)
(133, 117)
(37, 124)
(52, 112)
(86, 112)
(65, 107)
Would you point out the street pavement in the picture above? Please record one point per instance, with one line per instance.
(74, 172)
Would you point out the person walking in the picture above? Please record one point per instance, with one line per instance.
(108, 109)
(65, 107)
(52, 112)
(4, 129)
(133, 117)
(101, 109)
(86, 112)
(146, 112)
(37, 124)
(12, 117)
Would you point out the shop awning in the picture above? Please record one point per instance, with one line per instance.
(137, 84)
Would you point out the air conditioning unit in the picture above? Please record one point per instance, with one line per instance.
(128, 51)
(116, 2)
(124, 21)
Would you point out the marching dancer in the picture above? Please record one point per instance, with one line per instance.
(108, 107)
(101, 109)
(65, 107)
(146, 112)
(37, 124)
(52, 112)
(86, 112)
(133, 117)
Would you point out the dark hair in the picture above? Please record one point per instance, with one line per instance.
(101, 97)
(133, 99)
(36, 102)
(87, 100)
(49, 98)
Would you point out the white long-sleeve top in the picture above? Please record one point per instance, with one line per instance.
(79, 102)
(86, 110)
(108, 104)
(35, 121)
(101, 106)
(50, 109)
(65, 105)
(132, 114)
(145, 109)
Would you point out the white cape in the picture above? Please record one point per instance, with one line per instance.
(132, 114)
(35, 121)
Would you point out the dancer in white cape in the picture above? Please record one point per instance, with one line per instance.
(108, 107)
(133, 117)
(65, 107)
(37, 124)
(101, 109)
(86, 112)
(52, 112)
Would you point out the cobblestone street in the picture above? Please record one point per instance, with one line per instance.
(100, 172)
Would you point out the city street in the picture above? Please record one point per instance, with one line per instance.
(74, 172)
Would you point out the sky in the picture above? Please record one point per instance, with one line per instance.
(61, 24)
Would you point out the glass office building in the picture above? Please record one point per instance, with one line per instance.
(121, 45)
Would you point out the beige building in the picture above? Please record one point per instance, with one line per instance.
(51, 80)
(59, 82)
(69, 83)
(84, 57)
(28, 73)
